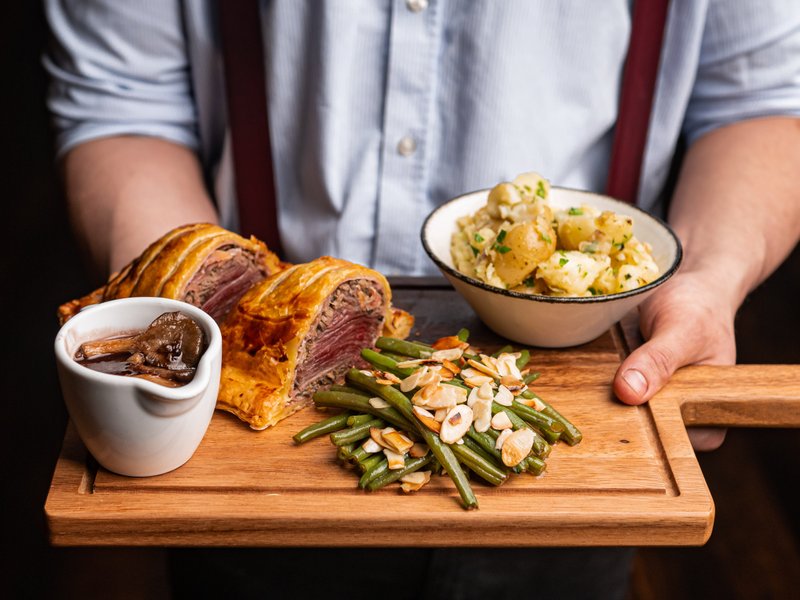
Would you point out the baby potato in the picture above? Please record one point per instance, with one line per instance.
(532, 185)
(576, 226)
(501, 198)
(572, 272)
(523, 246)
(618, 229)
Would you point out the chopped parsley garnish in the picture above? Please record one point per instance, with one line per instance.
(478, 237)
(546, 238)
(503, 249)
(593, 291)
(529, 281)
(627, 275)
(501, 236)
(474, 251)
(575, 211)
(562, 261)
(540, 191)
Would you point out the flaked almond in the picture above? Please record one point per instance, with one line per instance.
(419, 378)
(371, 446)
(482, 414)
(414, 481)
(506, 365)
(534, 403)
(503, 397)
(378, 403)
(418, 450)
(377, 436)
(517, 447)
(427, 419)
(436, 395)
(451, 366)
(440, 414)
(446, 375)
(499, 422)
(451, 341)
(397, 441)
(473, 397)
(386, 378)
(512, 383)
(483, 368)
(367, 373)
(468, 372)
(411, 362)
(450, 354)
(456, 424)
(395, 460)
(501, 439)
(477, 380)
(485, 391)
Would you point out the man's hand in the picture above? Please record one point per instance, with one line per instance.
(684, 324)
(737, 214)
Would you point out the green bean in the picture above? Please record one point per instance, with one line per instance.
(550, 429)
(360, 403)
(482, 468)
(524, 358)
(477, 448)
(354, 434)
(384, 363)
(413, 464)
(531, 377)
(403, 347)
(540, 446)
(395, 357)
(354, 420)
(371, 459)
(375, 471)
(348, 390)
(485, 441)
(441, 451)
(329, 425)
(504, 349)
(358, 455)
(345, 452)
(571, 434)
(463, 334)
(534, 464)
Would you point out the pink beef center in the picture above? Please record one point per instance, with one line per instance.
(352, 320)
(222, 280)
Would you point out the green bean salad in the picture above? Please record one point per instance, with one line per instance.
(442, 408)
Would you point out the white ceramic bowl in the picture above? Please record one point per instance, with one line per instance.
(133, 426)
(545, 321)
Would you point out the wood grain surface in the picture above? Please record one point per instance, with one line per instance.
(634, 479)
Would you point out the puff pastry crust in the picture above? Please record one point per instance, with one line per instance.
(186, 264)
(315, 317)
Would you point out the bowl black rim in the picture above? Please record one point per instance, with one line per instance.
(555, 299)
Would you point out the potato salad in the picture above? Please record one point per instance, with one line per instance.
(517, 241)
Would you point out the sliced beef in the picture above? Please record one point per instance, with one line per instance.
(224, 277)
(351, 320)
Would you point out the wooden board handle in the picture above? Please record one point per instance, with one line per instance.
(737, 396)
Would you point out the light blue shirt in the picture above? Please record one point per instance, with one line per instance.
(383, 109)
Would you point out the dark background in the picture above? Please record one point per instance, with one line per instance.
(753, 552)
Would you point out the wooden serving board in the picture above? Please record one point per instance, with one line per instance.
(634, 479)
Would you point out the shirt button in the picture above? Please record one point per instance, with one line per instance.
(417, 5)
(407, 146)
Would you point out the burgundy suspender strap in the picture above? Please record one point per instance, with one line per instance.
(246, 93)
(636, 98)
